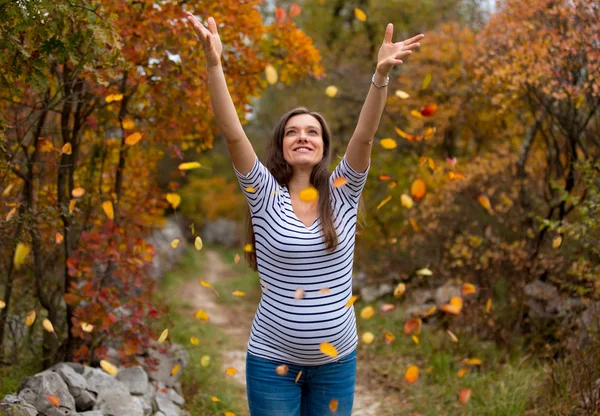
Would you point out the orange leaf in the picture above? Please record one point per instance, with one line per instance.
(429, 110)
(488, 305)
(388, 337)
(328, 349)
(485, 202)
(175, 369)
(467, 289)
(465, 395)
(53, 400)
(78, 192)
(412, 374)
(399, 290)
(299, 294)
(418, 189)
(413, 326)
(294, 10)
(339, 181)
(367, 312)
(298, 376)
(58, 237)
(133, 138)
(282, 369)
(231, 371)
(309, 194)
(333, 405)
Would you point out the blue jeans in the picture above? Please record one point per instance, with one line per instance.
(270, 394)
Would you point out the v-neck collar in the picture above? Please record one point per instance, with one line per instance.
(308, 227)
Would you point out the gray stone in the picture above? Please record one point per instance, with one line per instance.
(35, 389)
(159, 413)
(176, 354)
(76, 366)
(85, 400)
(423, 296)
(369, 293)
(175, 397)
(145, 405)
(91, 413)
(135, 378)
(444, 293)
(13, 405)
(118, 403)
(166, 406)
(221, 231)
(98, 381)
(77, 385)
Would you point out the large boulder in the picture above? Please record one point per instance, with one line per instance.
(36, 389)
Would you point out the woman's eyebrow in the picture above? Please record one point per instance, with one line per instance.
(308, 127)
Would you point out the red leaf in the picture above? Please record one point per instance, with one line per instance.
(280, 15)
(294, 10)
(113, 318)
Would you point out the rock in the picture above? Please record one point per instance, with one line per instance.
(91, 413)
(221, 231)
(76, 366)
(77, 384)
(118, 403)
(166, 406)
(98, 381)
(359, 280)
(175, 397)
(165, 363)
(369, 293)
(444, 293)
(422, 296)
(135, 378)
(13, 405)
(146, 406)
(35, 389)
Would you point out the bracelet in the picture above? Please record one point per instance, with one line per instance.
(387, 81)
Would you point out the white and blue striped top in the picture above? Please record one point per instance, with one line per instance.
(292, 256)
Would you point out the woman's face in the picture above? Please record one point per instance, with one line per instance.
(303, 141)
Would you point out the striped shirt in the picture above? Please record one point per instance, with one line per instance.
(290, 256)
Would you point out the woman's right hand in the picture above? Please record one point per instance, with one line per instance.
(211, 42)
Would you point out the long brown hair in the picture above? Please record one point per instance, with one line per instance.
(283, 172)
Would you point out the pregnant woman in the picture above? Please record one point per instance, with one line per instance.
(301, 357)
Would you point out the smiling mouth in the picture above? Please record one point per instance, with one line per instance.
(303, 149)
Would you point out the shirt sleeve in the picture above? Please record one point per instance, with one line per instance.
(255, 184)
(355, 181)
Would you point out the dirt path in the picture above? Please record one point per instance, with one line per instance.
(236, 321)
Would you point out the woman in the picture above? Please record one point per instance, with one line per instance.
(301, 357)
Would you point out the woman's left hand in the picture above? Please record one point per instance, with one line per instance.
(390, 53)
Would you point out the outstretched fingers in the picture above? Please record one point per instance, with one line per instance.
(199, 28)
(389, 33)
(413, 39)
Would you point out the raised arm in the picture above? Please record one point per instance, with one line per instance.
(240, 148)
(359, 148)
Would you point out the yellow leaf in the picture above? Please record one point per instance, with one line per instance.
(108, 367)
(333, 405)
(7, 190)
(30, 318)
(48, 325)
(229, 413)
(194, 340)
(58, 237)
(67, 149)
(128, 124)
(472, 361)
(412, 374)
(298, 376)
(248, 248)
(402, 94)
(368, 337)
(282, 369)
(72, 205)
(189, 165)
(556, 242)
(215, 399)
(250, 189)
(367, 312)
(429, 312)
(230, 371)
(175, 243)
(339, 181)
(133, 138)
(85, 327)
(45, 146)
(360, 15)
(415, 339)
(173, 199)
(175, 369)
(236, 259)
(107, 207)
(201, 315)
(271, 74)
(468, 289)
(198, 243)
(424, 272)
(328, 349)
(399, 290)
(77, 192)
(331, 91)
(163, 336)
(205, 283)
(2, 304)
(117, 97)
(238, 293)
(416, 114)
(485, 202)
(351, 301)
(451, 309)
(309, 194)
(426, 81)
(205, 361)
(385, 201)
(452, 336)
(456, 301)
(406, 201)
(11, 213)
(429, 133)
(462, 372)
(488, 305)
(21, 252)
(388, 143)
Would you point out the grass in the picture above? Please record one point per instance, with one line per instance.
(12, 376)
(201, 383)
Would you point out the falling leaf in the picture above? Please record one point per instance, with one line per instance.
(21, 253)
(229, 413)
(412, 374)
(238, 293)
(2, 304)
(108, 367)
(194, 340)
(205, 284)
(360, 15)
(368, 337)
(30, 318)
(175, 369)
(230, 371)
(294, 10)
(416, 114)
(429, 110)
(189, 165)
(331, 91)
(163, 336)
(282, 369)
(455, 175)
(418, 189)
(85, 327)
(78, 192)
(7, 190)
(406, 201)
(429, 133)
(462, 372)
(339, 181)
(429, 312)
(324, 291)
(488, 305)
(328, 349)
(333, 405)
(48, 325)
(426, 81)
(465, 395)
(72, 205)
(414, 225)
(452, 336)
(556, 242)
(201, 315)
(173, 199)
(298, 376)
(456, 301)
(387, 307)
(399, 290)
(248, 248)
(401, 94)
(415, 339)
(468, 289)
(205, 361)
(388, 337)
(58, 237)
(451, 309)
(351, 301)
(66, 149)
(385, 177)
(11, 213)
(367, 312)
(299, 294)
(128, 124)
(271, 74)
(250, 189)
(107, 207)
(385, 201)
(236, 259)
(388, 143)
(53, 400)
(45, 146)
(424, 272)
(175, 243)
(198, 243)
(133, 138)
(413, 326)
(471, 361)
(485, 202)
(309, 194)
(215, 399)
